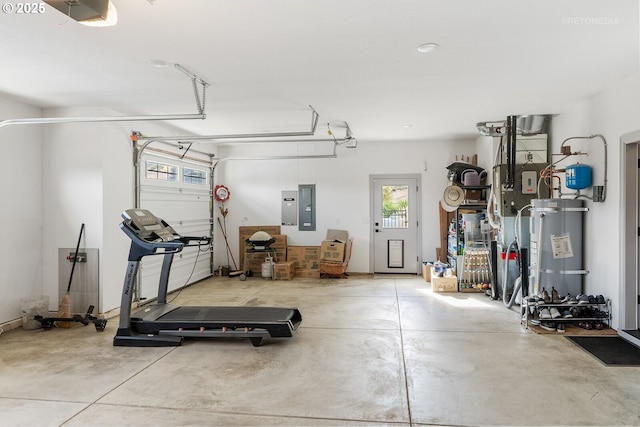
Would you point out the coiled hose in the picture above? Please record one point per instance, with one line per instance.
(505, 277)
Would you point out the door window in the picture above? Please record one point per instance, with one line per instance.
(395, 206)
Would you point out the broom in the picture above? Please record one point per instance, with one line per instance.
(236, 272)
(64, 310)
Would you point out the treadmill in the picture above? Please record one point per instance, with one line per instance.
(162, 324)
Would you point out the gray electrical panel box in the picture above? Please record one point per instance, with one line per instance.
(289, 208)
(307, 207)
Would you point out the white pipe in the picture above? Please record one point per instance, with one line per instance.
(311, 132)
(491, 200)
(302, 140)
(517, 226)
(313, 156)
(604, 142)
(539, 253)
(53, 120)
(294, 157)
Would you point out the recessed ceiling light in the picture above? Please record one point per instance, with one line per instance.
(159, 63)
(407, 126)
(428, 47)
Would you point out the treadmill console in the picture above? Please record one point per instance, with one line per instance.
(148, 227)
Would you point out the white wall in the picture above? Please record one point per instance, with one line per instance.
(21, 212)
(342, 187)
(611, 113)
(89, 177)
(84, 173)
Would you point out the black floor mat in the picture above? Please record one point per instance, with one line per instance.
(611, 351)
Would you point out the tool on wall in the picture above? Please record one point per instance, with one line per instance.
(221, 194)
(64, 310)
(235, 272)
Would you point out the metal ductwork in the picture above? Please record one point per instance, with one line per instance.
(491, 128)
(531, 124)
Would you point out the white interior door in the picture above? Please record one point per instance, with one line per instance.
(629, 324)
(178, 191)
(395, 207)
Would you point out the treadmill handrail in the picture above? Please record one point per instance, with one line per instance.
(141, 248)
(200, 240)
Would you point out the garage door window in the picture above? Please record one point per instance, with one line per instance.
(194, 176)
(162, 171)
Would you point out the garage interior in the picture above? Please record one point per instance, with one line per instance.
(446, 193)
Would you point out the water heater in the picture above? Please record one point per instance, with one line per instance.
(556, 248)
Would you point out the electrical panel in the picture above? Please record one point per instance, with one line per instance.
(307, 207)
(289, 208)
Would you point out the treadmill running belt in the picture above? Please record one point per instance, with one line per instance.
(228, 314)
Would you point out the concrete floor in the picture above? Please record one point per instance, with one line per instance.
(371, 351)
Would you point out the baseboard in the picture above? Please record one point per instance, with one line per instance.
(11, 324)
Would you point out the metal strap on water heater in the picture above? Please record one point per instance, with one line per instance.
(560, 209)
(565, 271)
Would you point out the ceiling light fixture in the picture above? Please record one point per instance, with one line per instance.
(428, 47)
(93, 13)
(109, 20)
(159, 63)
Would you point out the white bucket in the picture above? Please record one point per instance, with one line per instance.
(31, 307)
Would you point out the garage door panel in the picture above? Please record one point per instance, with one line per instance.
(184, 206)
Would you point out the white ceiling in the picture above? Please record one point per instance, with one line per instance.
(352, 60)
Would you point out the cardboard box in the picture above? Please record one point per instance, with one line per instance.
(255, 259)
(284, 271)
(248, 230)
(281, 241)
(444, 284)
(342, 235)
(347, 253)
(308, 274)
(332, 250)
(426, 272)
(304, 257)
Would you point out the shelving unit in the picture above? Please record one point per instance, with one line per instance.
(471, 259)
(531, 311)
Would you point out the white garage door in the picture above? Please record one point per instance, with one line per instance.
(177, 191)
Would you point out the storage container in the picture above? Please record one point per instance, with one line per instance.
(31, 307)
